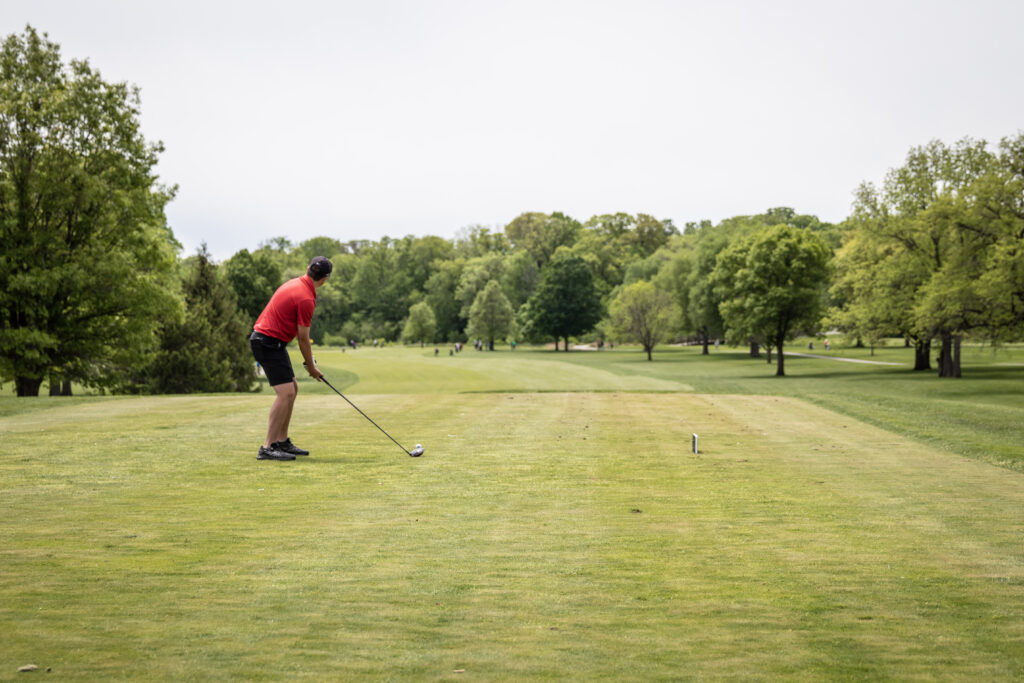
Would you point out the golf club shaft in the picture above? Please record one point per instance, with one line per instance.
(324, 379)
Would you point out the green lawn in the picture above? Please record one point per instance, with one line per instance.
(558, 525)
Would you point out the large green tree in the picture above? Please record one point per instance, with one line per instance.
(999, 207)
(491, 315)
(253, 277)
(542, 234)
(611, 243)
(702, 303)
(476, 273)
(688, 273)
(874, 289)
(566, 301)
(918, 250)
(519, 278)
(421, 325)
(375, 289)
(643, 313)
(440, 294)
(771, 284)
(87, 257)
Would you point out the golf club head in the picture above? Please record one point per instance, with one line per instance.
(416, 452)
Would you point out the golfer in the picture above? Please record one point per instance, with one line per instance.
(287, 315)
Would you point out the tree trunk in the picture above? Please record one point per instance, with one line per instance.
(648, 349)
(949, 355)
(769, 349)
(60, 387)
(557, 341)
(705, 352)
(567, 344)
(27, 386)
(922, 354)
(755, 350)
(780, 364)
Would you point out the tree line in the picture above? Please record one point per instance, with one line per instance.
(94, 289)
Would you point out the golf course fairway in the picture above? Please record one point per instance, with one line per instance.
(558, 526)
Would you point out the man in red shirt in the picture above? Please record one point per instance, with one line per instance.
(288, 315)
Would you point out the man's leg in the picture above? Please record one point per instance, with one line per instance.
(281, 412)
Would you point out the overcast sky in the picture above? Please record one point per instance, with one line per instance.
(382, 117)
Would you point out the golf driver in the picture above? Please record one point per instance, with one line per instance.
(414, 453)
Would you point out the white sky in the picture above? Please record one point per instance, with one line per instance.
(359, 119)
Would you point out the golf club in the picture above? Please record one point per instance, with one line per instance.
(414, 453)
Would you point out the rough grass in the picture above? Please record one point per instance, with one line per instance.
(558, 534)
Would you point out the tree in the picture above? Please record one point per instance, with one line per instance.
(771, 283)
(652, 234)
(606, 244)
(87, 263)
(541, 235)
(566, 302)
(309, 249)
(688, 274)
(491, 315)
(612, 243)
(702, 305)
(643, 313)
(999, 206)
(205, 349)
(520, 278)
(875, 287)
(930, 225)
(418, 259)
(421, 325)
(478, 240)
(253, 278)
(476, 273)
(374, 285)
(440, 295)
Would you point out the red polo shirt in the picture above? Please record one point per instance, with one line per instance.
(292, 305)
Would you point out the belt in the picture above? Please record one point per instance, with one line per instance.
(267, 339)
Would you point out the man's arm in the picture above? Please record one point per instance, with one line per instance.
(306, 348)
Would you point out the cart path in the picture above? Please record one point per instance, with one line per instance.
(848, 360)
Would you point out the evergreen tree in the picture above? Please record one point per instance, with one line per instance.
(207, 348)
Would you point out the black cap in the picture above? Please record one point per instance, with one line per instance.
(319, 267)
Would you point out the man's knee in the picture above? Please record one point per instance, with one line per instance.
(287, 390)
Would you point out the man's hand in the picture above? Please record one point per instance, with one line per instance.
(306, 348)
(314, 372)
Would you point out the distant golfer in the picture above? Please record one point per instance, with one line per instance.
(287, 315)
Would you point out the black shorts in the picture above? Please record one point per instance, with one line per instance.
(272, 355)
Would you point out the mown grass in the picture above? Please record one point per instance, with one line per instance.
(563, 532)
(980, 415)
